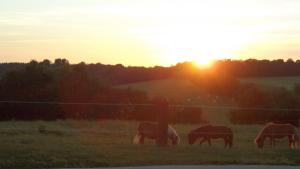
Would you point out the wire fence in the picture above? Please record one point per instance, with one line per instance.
(128, 133)
(148, 105)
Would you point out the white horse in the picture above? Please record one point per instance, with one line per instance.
(150, 130)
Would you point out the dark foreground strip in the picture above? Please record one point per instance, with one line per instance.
(208, 167)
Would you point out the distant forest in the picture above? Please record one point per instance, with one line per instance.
(119, 74)
(260, 68)
(43, 86)
(62, 82)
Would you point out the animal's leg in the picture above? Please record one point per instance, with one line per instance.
(225, 141)
(295, 141)
(209, 142)
(293, 145)
(142, 139)
(202, 141)
(274, 143)
(291, 142)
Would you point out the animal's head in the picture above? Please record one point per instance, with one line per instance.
(259, 142)
(192, 138)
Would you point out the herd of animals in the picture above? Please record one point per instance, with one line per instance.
(271, 131)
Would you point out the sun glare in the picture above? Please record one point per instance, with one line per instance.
(203, 43)
(204, 62)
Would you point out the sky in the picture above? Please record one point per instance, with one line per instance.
(148, 32)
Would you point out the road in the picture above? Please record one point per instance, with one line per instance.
(206, 167)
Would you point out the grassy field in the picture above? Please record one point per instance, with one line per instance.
(180, 89)
(286, 82)
(109, 143)
(176, 89)
(185, 90)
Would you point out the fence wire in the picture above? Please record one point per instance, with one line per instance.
(149, 105)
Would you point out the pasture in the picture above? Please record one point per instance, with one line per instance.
(186, 91)
(178, 90)
(285, 82)
(109, 143)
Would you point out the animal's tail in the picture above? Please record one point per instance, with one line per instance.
(136, 139)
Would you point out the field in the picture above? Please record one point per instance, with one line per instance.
(187, 92)
(184, 90)
(177, 88)
(109, 143)
(286, 82)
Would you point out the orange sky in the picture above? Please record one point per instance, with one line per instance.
(148, 32)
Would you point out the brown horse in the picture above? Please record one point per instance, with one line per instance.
(208, 132)
(277, 131)
(149, 130)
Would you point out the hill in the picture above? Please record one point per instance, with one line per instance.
(180, 89)
(175, 89)
(184, 92)
(286, 82)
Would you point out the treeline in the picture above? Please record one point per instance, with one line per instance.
(51, 91)
(109, 74)
(120, 74)
(258, 106)
(259, 68)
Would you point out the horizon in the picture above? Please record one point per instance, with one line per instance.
(207, 66)
(148, 33)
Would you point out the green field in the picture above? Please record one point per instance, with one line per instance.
(176, 89)
(180, 89)
(109, 143)
(286, 82)
(184, 91)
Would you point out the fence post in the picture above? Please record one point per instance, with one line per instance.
(162, 107)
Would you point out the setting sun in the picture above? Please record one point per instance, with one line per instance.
(148, 33)
(204, 62)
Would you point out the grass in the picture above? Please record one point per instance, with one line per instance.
(286, 82)
(183, 91)
(177, 89)
(109, 143)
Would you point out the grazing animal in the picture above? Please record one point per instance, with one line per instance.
(209, 132)
(150, 130)
(276, 131)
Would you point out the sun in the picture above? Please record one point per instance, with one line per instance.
(173, 41)
(204, 46)
(204, 61)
